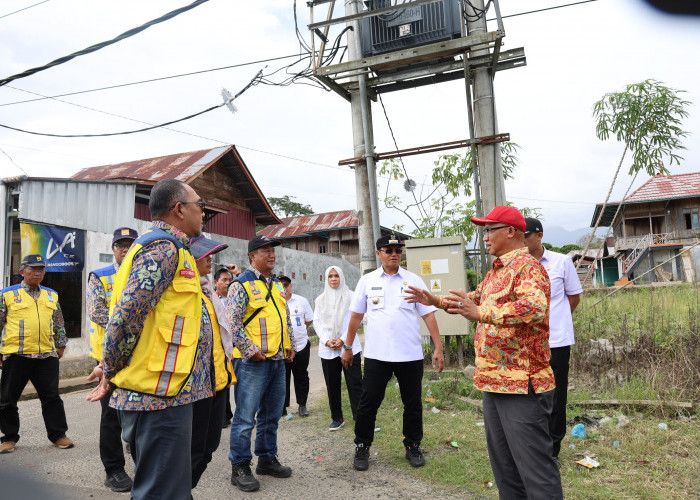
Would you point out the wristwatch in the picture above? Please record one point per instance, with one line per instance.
(347, 347)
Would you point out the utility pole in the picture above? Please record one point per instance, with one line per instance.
(363, 147)
(493, 191)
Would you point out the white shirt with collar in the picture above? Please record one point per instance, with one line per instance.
(564, 282)
(393, 329)
(300, 312)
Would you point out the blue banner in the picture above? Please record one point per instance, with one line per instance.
(63, 249)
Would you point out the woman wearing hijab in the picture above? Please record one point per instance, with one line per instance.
(208, 414)
(331, 318)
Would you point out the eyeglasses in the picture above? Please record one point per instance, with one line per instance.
(122, 246)
(389, 251)
(487, 230)
(201, 204)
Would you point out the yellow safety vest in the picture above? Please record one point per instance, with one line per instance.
(164, 356)
(97, 332)
(223, 368)
(266, 328)
(29, 323)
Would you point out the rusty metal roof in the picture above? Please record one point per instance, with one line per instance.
(183, 166)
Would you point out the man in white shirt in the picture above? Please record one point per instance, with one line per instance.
(302, 316)
(392, 347)
(566, 291)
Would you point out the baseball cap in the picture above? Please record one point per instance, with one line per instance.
(389, 239)
(504, 215)
(532, 225)
(33, 260)
(201, 246)
(284, 278)
(124, 233)
(261, 241)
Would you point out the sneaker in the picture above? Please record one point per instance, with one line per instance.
(7, 447)
(63, 443)
(303, 412)
(242, 477)
(273, 468)
(377, 429)
(414, 455)
(361, 461)
(336, 424)
(118, 481)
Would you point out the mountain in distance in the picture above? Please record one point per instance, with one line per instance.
(558, 236)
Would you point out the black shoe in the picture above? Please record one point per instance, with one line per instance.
(243, 478)
(303, 412)
(273, 468)
(118, 481)
(284, 412)
(361, 461)
(414, 455)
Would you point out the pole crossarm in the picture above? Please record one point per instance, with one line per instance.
(369, 13)
(432, 148)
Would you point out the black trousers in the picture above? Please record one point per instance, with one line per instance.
(300, 369)
(519, 444)
(332, 370)
(409, 375)
(43, 373)
(557, 424)
(111, 447)
(207, 420)
(228, 414)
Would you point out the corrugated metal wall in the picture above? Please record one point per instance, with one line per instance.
(80, 205)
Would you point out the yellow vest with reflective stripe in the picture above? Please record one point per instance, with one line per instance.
(29, 323)
(268, 329)
(223, 368)
(97, 332)
(164, 356)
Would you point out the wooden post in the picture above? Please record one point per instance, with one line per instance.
(460, 350)
(446, 350)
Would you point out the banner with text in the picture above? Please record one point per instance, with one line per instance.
(62, 248)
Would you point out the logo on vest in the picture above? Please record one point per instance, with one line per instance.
(187, 272)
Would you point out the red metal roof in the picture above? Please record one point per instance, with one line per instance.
(662, 187)
(301, 225)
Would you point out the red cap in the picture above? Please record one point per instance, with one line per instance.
(504, 215)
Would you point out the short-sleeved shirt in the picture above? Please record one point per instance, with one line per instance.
(301, 313)
(393, 329)
(564, 282)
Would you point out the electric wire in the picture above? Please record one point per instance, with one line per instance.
(13, 162)
(101, 45)
(22, 9)
(544, 10)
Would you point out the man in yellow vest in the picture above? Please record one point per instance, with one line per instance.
(263, 337)
(99, 292)
(33, 340)
(157, 351)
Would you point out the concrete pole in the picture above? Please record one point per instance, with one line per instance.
(493, 190)
(363, 147)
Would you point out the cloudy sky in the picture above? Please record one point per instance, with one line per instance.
(574, 55)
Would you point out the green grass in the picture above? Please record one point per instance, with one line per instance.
(649, 463)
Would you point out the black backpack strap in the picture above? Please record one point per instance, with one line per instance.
(257, 311)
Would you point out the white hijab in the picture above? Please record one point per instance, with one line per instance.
(220, 309)
(333, 304)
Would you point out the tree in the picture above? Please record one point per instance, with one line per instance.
(595, 241)
(290, 208)
(646, 117)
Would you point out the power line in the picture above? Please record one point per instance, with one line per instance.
(13, 162)
(543, 10)
(25, 8)
(101, 45)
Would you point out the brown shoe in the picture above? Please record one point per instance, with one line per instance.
(7, 447)
(63, 443)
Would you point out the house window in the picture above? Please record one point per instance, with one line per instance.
(322, 249)
(691, 219)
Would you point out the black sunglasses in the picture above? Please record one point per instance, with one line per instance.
(201, 204)
(389, 251)
(487, 230)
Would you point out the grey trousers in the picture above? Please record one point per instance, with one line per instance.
(520, 446)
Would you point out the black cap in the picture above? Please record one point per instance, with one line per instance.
(284, 278)
(532, 225)
(201, 246)
(124, 233)
(33, 260)
(389, 239)
(261, 241)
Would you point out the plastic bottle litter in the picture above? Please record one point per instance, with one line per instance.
(622, 421)
(616, 444)
(663, 426)
(579, 431)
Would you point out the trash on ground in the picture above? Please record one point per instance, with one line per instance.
(488, 484)
(572, 446)
(663, 426)
(319, 459)
(579, 431)
(622, 421)
(604, 420)
(586, 419)
(616, 444)
(289, 416)
(588, 462)
(454, 444)
(428, 398)
(435, 410)
(480, 424)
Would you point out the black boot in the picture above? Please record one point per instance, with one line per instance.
(243, 478)
(273, 468)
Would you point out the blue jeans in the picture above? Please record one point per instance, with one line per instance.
(260, 389)
(160, 444)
